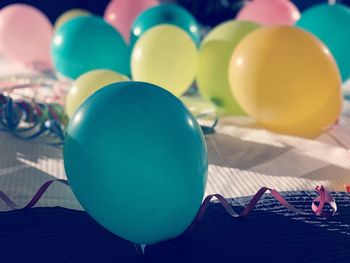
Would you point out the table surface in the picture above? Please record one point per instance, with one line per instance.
(242, 159)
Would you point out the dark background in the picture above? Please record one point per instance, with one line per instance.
(208, 12)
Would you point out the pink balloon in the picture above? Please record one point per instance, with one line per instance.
(270, 12)
(122, 13)
(25, 35)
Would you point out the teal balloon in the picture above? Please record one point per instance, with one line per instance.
(331, 24)
(165, 14)
(136, 160)
(87, 43)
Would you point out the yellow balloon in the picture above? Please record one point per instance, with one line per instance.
(165, 56)
(287, 80)
(87, 84)
(68, 15)
(214, 59)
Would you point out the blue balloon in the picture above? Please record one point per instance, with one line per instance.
(164, 14)
(87, 43)
(136, 160)
(330, 23)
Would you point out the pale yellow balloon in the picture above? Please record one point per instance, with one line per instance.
(68, 15)
(87, 84)
(214, 59)
(287, 80)
(165, 56)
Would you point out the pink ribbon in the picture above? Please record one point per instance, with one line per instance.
(37, 196)
(317, 204)
(324, 198)
(347, 188)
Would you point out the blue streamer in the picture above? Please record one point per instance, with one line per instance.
(31, 120)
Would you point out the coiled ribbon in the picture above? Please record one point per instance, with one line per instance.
(317, 206)
(42, 118)
(30, 120)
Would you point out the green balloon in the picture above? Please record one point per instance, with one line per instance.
(136, 160)
(165, 14)
(87, 43)
(214, 58)
(331, 24)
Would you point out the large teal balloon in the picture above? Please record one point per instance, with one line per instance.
(165, 14)
(87, 43)
(136, 160)
(331, 24)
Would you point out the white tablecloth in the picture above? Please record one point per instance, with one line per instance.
(242, 159)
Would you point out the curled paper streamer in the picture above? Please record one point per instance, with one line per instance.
(36, 198)
(317, 204)
(318, 209)
(30, 120)
(324, 198)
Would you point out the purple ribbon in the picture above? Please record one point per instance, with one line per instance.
(42, 119)
(318, 209)
(317, 204)
(35, 199)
